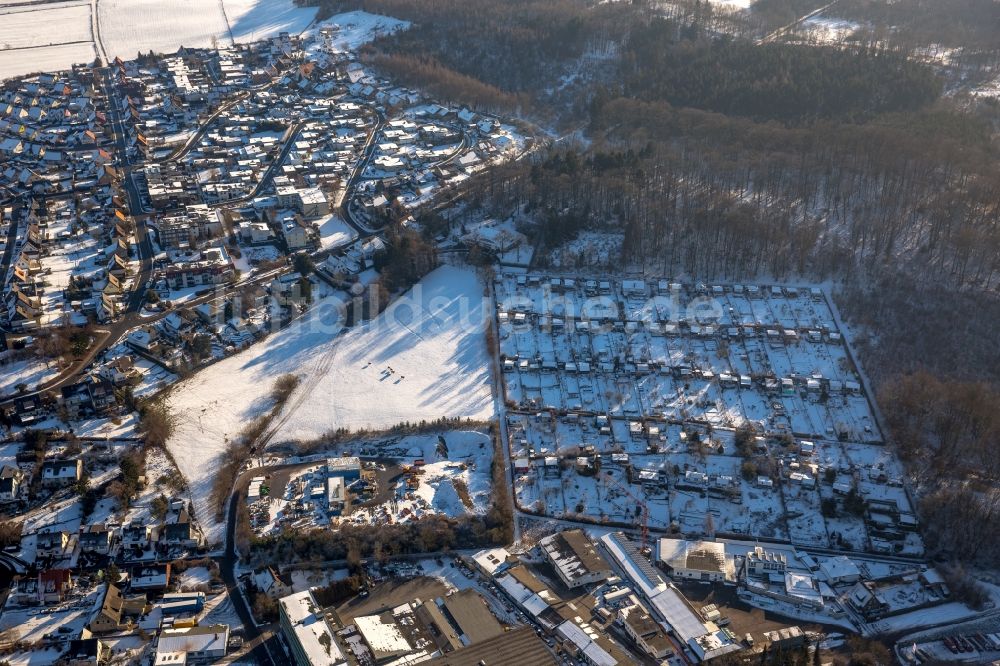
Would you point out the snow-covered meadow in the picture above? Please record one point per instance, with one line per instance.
(27, 27)
(44, 38)
(425, 357)
(27, 372)
(431, 338)
(55, 36)
(132, 26)
(358, 27)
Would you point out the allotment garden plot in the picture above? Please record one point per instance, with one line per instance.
(733, 409)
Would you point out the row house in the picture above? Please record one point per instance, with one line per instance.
(27, 410)
(51, 544)
(93, 395)
(197, 274)
(96, 539)
(54, 585)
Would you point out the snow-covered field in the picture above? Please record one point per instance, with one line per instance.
(431, 338)
(29, 372)
(52, 37)
(45, 59)
(334, 232)
(423, 358)
(250, 20)
(358, 27)
(131, 26)
(43, 38)
(26, 27)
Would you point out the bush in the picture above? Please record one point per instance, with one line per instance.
(10, 533)
(156, 422)
(265, 609)
(158, 507)
(283, 387)
(964, 587)
(303, 264)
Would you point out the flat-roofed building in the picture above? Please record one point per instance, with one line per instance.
(575, 558)
(644, 630)
(693, 560)
(188, 645)
(468, 612)
(310, 637)
(492, 561)
(520, 647)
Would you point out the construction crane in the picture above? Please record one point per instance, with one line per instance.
(609, 480)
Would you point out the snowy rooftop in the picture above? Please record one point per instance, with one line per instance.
(311, 631)
(573, 554)
(492, 559)
(383, 637)
(207, 639)
(839, 567)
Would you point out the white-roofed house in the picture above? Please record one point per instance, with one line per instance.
(192, 644)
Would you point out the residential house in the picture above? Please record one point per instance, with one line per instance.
(840, 570)
(60, 473)
(143, 340)
(51, 544)
(93, 395)
(867, 600)
(150, 577)
(111, 616)
(296, 236)
(137, 536)
(118, 268)
(275, 585)
(180, 532)
(87, 651)
(11, 479)
(187, 645)
(95, 539)
(28, 410)
(311, 203)
(54, 585)
(119, 370)
(287, 289)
